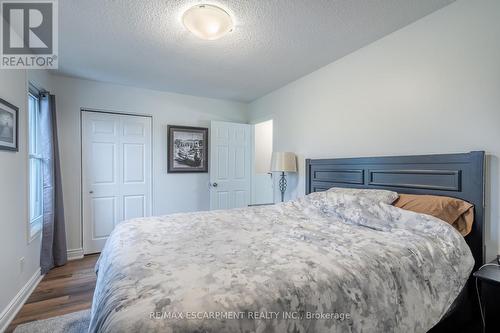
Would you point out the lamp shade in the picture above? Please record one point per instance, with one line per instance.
(284, 162)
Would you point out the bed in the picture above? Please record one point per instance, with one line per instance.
(326, 262)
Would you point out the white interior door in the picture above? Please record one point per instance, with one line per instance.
(262, 189)
(262, 178)
(116, 173)
(230, 165)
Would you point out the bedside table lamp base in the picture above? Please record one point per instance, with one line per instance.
(282, 185)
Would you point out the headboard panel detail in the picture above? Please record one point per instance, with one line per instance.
(346, 176)
(446, 180)
(455, 175)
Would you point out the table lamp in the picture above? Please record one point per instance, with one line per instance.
(283, 162)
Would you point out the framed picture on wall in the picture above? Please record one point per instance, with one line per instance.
(187, 149)
(9, 126)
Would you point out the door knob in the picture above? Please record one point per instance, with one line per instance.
(215, 184)
(91, 192)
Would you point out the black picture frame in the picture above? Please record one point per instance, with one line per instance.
(187, 149)
(9, 131)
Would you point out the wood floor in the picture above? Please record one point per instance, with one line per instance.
(63, 290)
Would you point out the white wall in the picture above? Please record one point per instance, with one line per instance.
(431, 87)
(171, 192)
(14, 240)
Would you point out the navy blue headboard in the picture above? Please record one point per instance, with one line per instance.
(454, 175)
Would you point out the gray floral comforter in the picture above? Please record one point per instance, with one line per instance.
(327, 262)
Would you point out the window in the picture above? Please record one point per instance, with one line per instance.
(35, 166)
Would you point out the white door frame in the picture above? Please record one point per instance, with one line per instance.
(152, 187)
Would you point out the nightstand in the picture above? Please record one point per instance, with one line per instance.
(488, 279)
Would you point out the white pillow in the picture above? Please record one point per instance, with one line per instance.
(387, 197)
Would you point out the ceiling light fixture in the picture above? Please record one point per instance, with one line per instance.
(207, 21)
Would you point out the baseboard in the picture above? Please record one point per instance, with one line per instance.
(16, 304)
(75, 254)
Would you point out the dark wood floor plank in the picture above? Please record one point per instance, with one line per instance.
(63, 290)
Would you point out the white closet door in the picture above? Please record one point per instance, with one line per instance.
(230, 151)
(116, 173)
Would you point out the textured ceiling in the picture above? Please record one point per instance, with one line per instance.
(143, 42)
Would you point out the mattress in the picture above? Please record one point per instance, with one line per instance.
(327, 262)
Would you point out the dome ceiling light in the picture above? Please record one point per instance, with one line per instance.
(207, 22)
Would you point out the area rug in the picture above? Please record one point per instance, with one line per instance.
(75, 322)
